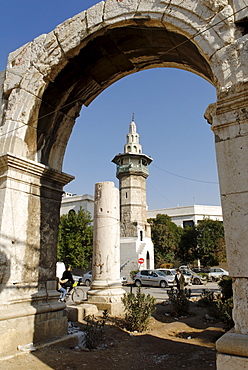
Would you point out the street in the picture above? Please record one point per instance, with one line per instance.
(161, 293)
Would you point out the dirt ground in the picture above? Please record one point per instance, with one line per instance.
(169, 343)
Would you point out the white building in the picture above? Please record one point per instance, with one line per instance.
(74, 202)
(188, 215)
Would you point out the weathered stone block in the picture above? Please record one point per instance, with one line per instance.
(79, 312)
(71, 33)
(95, 15)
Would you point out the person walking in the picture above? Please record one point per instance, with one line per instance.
(180, 281)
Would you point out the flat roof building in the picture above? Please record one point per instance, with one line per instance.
(188, 215)
(74, 202)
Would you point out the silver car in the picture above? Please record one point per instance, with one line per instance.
(151, 278)
(192, 277)
(170, 275)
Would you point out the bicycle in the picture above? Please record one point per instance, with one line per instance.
(77, 295)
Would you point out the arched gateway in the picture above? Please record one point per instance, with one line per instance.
(45, 84)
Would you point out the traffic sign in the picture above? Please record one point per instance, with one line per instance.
(141, 260)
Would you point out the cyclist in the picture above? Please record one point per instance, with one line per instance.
(67, 275)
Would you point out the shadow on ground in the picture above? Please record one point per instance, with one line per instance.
(169, 343)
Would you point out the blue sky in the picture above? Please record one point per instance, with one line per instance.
(168, 105)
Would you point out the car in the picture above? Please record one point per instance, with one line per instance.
(87, 279)
(216, 273)
(151, 278)
(187, 275)
(123, 280)
(170, 275)
(198, 270)
(77, 279)
(191, 277)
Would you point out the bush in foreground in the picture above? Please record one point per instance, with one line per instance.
(220, 306)
(138, 310)
(180, 301)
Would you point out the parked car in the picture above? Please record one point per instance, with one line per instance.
(77, 279)
(151, 278)
(203, 270)
(215, 273)
(192, 277)
(187, 275)
(170, 275)
(87, 279)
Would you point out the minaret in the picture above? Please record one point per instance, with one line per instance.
(132, 172)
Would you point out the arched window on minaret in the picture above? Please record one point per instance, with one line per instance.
(135, 148)
(141, 235)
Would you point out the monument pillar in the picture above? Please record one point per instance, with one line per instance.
(230, 126)
(30, 196)
(106, 291)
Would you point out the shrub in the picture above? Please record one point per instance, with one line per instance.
(138, 310)
(94, 330)
(209, 301)
(226, 287)
(220, 306)
(179, 301)
(225, 312)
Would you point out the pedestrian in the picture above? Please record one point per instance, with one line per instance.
(180, 281)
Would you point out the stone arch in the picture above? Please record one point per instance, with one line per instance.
(59, 72)
(47, 81)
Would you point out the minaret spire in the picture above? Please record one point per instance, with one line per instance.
(132, 144)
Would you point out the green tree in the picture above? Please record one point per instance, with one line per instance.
(211, 242)
(187, 251)
(165, 237)
(75, 239)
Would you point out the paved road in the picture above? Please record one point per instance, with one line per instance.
(161, 293)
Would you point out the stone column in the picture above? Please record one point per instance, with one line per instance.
(230, 125)
(30, 197)
(106, 291)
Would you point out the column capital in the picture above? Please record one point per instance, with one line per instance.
(28, 176)
(229, 110)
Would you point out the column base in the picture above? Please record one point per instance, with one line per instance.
(107, 299)
(30, 327)
(232, 351)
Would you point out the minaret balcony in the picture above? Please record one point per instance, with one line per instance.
(132, 168)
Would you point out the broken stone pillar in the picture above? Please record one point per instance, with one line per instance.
(230, 125)
(106, 291)
(30, 197)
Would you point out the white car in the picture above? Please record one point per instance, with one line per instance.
(216, 273)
